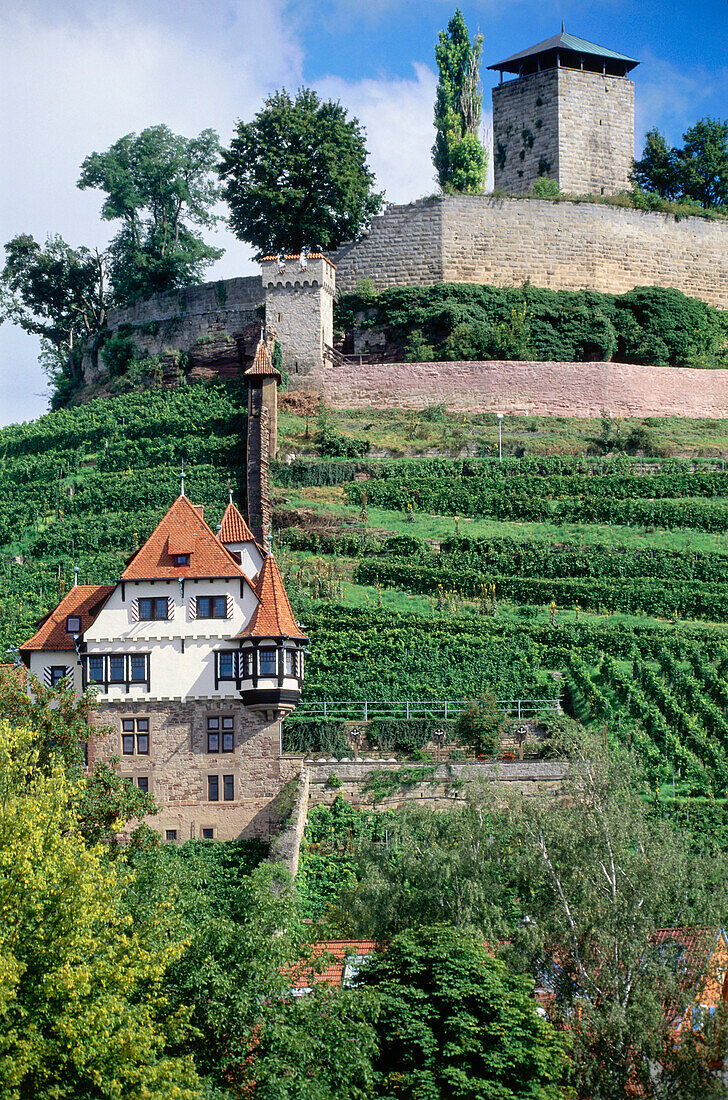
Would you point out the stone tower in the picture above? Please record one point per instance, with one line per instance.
(262, 439)
(299, 306)
(567, 114)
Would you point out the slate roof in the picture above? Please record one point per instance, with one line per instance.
(273, 617)
(184, 527)
(84, 600)
(233, 528)
(564, 41)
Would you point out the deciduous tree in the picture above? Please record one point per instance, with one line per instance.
(697, 171)
(297, 176)
(458, 154)
(161, 187)
(83, 1009)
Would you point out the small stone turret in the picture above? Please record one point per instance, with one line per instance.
(263, 380)
(299, 305)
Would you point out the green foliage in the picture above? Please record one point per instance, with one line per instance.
(697, 172)
(480, 726)
(458, 155)
(464, 321)
(453, 1021)
(160, 186)
(543, 188)
(58, 293)
(297, 177)
(84, 1009)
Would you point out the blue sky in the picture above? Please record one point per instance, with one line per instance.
(77, 74)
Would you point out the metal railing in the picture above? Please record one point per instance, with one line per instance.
(362, 710)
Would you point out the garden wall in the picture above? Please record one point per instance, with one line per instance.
(533, 389)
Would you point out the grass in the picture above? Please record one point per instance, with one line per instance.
(329, 501)
(402, 432)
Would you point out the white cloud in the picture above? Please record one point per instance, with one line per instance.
(76, 76)
(673, 99)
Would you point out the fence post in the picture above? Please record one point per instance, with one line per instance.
(519, 708)
(365, 710)
(324, 708)
(446, 709)
(408, 712)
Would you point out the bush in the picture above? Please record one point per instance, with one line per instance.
(544, 188)
(480, 726)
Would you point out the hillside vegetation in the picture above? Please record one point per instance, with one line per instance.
(597, 578)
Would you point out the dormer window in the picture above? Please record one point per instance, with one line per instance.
(73, 624)
(181, 559)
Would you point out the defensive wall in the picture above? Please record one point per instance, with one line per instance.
(562, 245)
(530, 389)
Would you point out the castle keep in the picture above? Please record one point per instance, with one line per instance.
(567, 114)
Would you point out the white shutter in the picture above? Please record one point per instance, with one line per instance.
(69, 671)
(170, 607)
(230, 606)
(135, 611)
(47, 676)
(192, 607)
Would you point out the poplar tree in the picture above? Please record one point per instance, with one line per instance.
(458, 154)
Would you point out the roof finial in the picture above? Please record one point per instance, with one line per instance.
(562, 26)
(230, 492)
(182, 480)
(75, 575)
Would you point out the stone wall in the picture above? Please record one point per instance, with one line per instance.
(564, 245)
(525, 131)
(439, 789)
(532, 389)
(178, 765)
(596, 132)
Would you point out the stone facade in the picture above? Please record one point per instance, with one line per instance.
(299, 307)
(530, 389)
(178, 765)
(563, 245)
(572, 126)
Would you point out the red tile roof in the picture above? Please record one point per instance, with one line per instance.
(309, 973)
(181, 526)
(85, 601)
(234, 528)
(297, 256)
(263, 364)
(273, 617)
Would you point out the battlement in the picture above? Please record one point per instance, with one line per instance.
(291, 272)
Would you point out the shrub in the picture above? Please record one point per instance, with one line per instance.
(480, 726)
(544, 188)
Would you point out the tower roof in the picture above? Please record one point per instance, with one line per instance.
(233, 528)
(569, 44)
(273, 617)
(181, 531)
(263, 364)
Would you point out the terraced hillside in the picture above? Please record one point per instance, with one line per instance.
(596, 578)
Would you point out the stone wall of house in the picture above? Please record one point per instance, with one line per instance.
(563, 245)
(178, 765)
(530, 389)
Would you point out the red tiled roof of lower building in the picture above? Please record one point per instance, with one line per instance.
(234, 528)
(297, 256)
(181, 526)
(311, 972)
(273, 617)
(84, 601)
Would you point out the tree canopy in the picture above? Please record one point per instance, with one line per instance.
(83, 1010)
(160, 186)
(697, 171)
(458, 155)
(297, 176)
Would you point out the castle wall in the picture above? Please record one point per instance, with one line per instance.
(525, 131)
(564, 245)
(532, 389)
(178, 766)
(596, 132)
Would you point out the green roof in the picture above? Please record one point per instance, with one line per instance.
(565, 41)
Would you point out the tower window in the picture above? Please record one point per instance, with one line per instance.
(268, 662)
(228, 786)
(213, 788)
